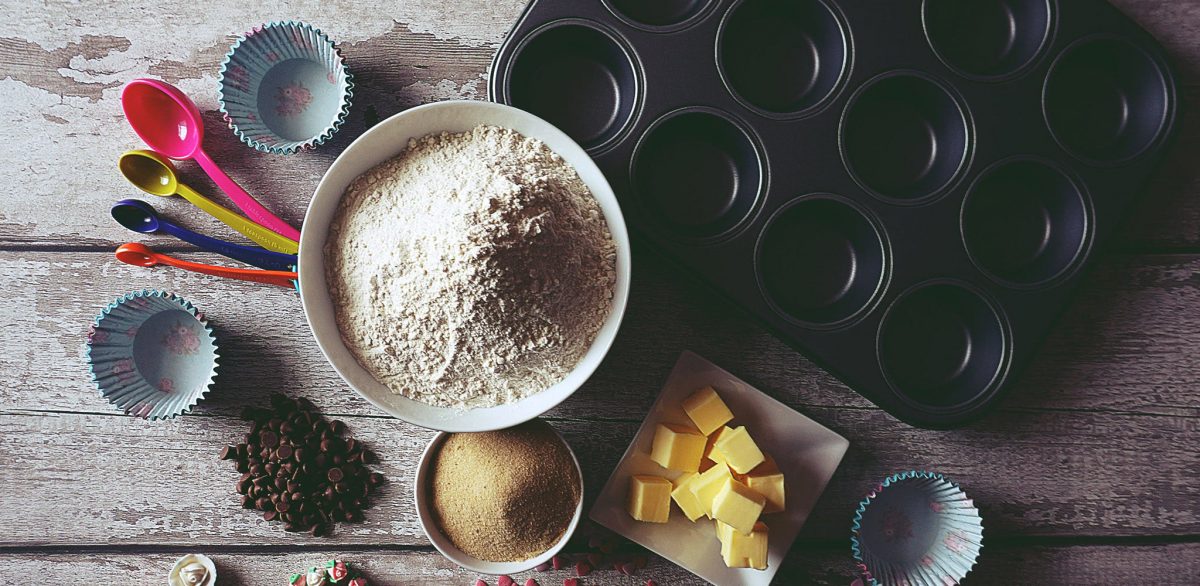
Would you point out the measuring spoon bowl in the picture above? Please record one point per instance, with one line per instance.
(137, 255)
(136, 215)
(164, 117)
(149, 172)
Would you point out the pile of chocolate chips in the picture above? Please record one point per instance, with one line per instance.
(298, 468)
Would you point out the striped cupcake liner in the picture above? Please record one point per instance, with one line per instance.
(916, 528)
(284, 87)
(152, 354)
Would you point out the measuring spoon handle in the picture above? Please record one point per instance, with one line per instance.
(252, 230)
(245, 201)
(280, 278)
(256, 256)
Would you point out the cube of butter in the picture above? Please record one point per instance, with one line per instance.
(708, 484)
(710, 452)
(677, 447)
(685, 498)
(739, 450)
(770, 485)
(744, 551)
(737, 506)
(649, 498)
(707, 410)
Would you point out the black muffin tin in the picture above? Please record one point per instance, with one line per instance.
(905, 191)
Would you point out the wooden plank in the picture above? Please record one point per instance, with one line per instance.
(161, 483)
(1129, 344)
(60, 101)
(1080, 565)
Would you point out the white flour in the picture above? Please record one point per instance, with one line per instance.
(472, 270)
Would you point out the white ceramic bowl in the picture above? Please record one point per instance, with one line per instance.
(443, 545)
(386, 140)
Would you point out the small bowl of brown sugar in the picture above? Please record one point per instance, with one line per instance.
(499, 502)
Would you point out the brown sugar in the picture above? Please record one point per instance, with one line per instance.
(503, 496)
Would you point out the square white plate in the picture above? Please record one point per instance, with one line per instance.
(807, 453)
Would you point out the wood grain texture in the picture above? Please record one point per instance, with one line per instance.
(1057, 565)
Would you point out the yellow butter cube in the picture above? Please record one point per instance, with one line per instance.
(771, 486)
(739, 450)
(710, 452)
(677, 447)
(708, 484)
(744, 551)
(707, 410)
(649, 498)
(724, 533)
(685, 498)
(738, 506)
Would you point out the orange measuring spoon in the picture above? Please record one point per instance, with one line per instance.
(139, 255)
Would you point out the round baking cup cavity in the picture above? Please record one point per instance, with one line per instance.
(916, 528)
(152, 354)
(284, 87)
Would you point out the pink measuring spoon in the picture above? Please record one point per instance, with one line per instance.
(169, 121)
(139, 255)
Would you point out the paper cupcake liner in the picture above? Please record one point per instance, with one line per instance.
(284, 87)
(152, 354)
(916, 529)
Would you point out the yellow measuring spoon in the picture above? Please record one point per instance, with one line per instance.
(154, 174)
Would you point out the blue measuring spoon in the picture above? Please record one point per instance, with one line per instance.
(140, 216)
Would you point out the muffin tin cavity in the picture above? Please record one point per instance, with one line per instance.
(782, 56)
(1025, 222)
(578, 78)
(821, 261)
(697, 173)
(659, 13)
(942, 345)
(904, 137)
(987, 38)
(1106, 100)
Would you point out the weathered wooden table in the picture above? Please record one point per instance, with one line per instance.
(1088, 473)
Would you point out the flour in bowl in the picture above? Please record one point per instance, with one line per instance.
(472, 270)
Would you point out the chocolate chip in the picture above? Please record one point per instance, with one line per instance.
(229, 453)
(376, 479)
(334, 475)
(270, 515)
(284, 452)
(318, 530)
(366, 457)
(268, 438)
(283, 506)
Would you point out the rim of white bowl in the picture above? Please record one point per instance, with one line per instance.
(386, 140)
(452, 553)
